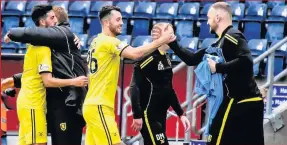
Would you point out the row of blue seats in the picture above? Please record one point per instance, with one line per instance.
(252, 25)
(269, 30)
(90, 8)
(146, 9)
(257, 47)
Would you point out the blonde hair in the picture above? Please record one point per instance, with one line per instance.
(61, 14)
(222, 6)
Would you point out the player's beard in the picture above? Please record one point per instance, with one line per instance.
(212, 29)
(113, 29)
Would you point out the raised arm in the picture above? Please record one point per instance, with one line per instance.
(187, 56)
(37, 35)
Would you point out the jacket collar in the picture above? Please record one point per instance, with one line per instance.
(225, 31)
(64, 24)
(222, 35)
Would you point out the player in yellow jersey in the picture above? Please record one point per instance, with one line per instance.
(31, 101)
(103, 62)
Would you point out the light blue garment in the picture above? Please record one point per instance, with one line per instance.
(210, 84)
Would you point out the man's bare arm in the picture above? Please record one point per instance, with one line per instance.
(49, 81)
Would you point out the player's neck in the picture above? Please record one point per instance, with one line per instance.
(108, 32)
(222, 28)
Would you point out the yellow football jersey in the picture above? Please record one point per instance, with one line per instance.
(103, 63)
(33, 92)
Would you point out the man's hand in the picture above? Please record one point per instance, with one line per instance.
(212, 64)
(77, 41)
(161, 31)
(6, 38)
(264, 92)
(7, 83)
(185, 122)
(167, 34)
(137, 124)
(80, 81)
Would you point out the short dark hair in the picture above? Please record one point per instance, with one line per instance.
(40, 11)
(106, 10)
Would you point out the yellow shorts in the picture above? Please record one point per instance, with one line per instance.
(101, 125)
(33, 126)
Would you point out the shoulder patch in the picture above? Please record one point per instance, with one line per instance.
(231, 38)
(122, 45)
(43, 67)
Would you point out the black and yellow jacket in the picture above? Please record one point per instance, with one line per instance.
(238, 68)
(66, 60)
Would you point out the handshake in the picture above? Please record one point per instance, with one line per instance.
(163, 32)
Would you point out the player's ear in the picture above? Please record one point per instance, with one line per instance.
(42, 22)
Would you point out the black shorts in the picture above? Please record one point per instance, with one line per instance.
(65, 126)
(238, 123)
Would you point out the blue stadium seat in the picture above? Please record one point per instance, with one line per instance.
(202, 23)
(84, 39)
(256, 13)
(79, 8)
(9, 47)
(61, 3)
(204, 11)
(189, 11)
(125, 26)
(95, 27)
(279, 55)
(141, 40)
(126, 38)
(22, 50)
(275, 23)
(273, 3)
(189, 43)
(140, 27)
(9, 22)
(142, 0)
(14, 8)
(90, 39)
(127, 8)
(96, 6)
(8, 50)
(235, 24)
(2, 5)
(238, 10)
(184, 28)
(252, 30)
(204, 31)
(205, 2)
(28, 22)
(166, 11)
(278, 13)
(282, 51)
(249, 3)
(207, 42)
(77, 25)
(145, 9)
(275, 31)
(231, 2)
(163, 1)
(33, 3)
(257, 46)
